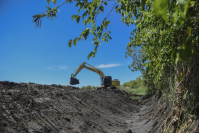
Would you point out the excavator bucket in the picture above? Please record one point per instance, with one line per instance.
(74, 81)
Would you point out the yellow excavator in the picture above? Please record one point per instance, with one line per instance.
(106, 81)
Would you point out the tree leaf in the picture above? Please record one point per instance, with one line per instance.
(78, 19)
(91, 10)
(89, 20)
(101, 8)
(173, 56)
(85, 6)
(75, 41)
(79, 9)
(146, 65)
(84, 14)
(183, 55)
(48, 1)
(73, 17)
(188, 45)
(182, 14)
(85, 33)
(175, 15)
(108, 22)
(89, 56)
(91, 31)
(93, 54)
(192, 3)
(49, 8)
(70, 43)
(143, 60)
(54, 1)
(96, 43)
(85, 22)
(126, 13)
(177, 53)
(160, 8)
(77, 4)
(98, 28)
(189, 29)
(95, 34)
(109, 36)
(95, 49)
(116, 7)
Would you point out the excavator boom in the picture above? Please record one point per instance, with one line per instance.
(74, 81)
(106, 81)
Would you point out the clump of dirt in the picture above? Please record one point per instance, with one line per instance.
(30, 107)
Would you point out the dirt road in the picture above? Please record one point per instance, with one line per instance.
(34, 108)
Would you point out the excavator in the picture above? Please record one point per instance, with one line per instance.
(106, 81)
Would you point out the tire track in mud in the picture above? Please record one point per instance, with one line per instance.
(29, 107)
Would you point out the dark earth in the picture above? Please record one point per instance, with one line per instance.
(35, 108)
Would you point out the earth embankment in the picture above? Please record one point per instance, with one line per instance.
(35, 108)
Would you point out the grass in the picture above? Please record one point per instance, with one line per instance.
(140, 91)
(85, 87)
(65, 85)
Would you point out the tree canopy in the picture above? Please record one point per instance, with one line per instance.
(168, 26)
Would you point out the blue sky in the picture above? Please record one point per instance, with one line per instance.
(42, 55)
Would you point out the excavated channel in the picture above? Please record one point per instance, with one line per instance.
(35, 108)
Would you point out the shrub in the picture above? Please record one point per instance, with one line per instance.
(89, 87)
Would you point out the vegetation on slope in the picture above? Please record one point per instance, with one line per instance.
(134, 87)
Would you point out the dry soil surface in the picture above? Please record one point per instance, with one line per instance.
(35, 108)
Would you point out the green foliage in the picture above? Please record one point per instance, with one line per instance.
(162, 42)
(91, 9)
(48, 1)
(75, 41)
(137, 86)
(70, 43)
(139, 91)
(147, 14)
(37, 19)
(54, 1)
(134, 83)
(89, 87)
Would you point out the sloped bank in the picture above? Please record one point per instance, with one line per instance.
(29, 107)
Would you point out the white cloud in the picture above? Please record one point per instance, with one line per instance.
(50, 68)
(57, 68)
(63, 67)
(108, 65)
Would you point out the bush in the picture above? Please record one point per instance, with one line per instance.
(89, 87)
(135, 83)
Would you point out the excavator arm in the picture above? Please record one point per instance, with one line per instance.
(74, 81)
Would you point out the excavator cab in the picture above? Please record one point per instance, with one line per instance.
(106, 81)
(74, 81)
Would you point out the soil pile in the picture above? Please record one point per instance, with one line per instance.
(29, 107)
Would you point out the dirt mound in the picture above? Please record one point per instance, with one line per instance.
(30, 107)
